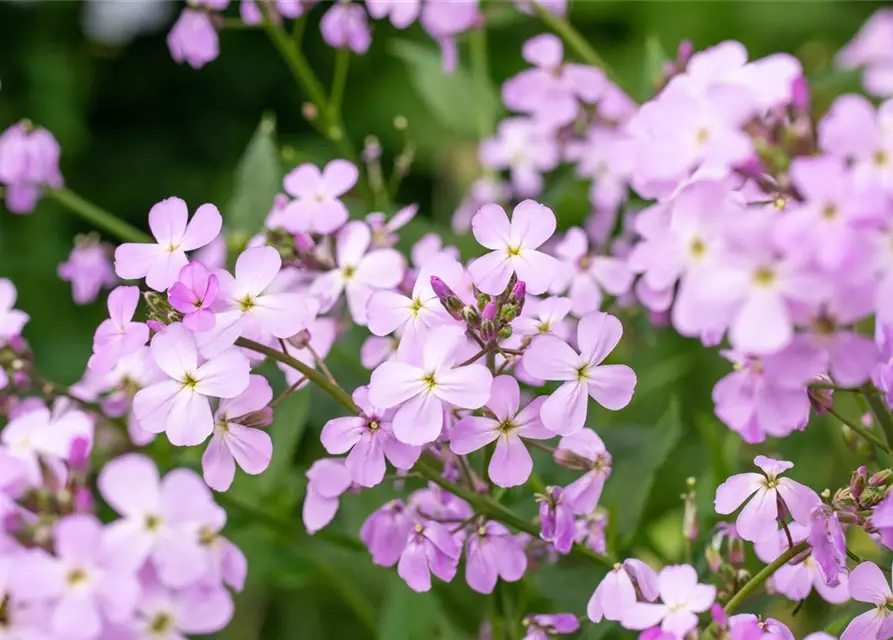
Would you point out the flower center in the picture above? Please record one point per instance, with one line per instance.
(76, 577)
(780, 203)
(161, 624)
(416, 306)
(582, 373)
(825, 325)
(764, 277)
(247, 303)
(429, 382)
(373, 426)
(702, 136)
(829, 211)
(206, 536)
(544, 327)
(506, 427)
(880, 157)
(514, 251)
(190, 381)
(697, 248)
(348, 271)
(152, 522)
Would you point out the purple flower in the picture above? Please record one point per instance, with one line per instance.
(193, 39)
(524, 147)
(682, 598)
(369, 438)
(511, 464)
(621, 588)
(317, 206)
(12, 320)
(757, 518)
(402, 13)
(867, 583)
(193, 294)
(492, 552)
(88, 269)
(541, 626)
(29, 160)
(430, 548)
(828, 544)
(344, 26)
(385, 532)
(118, 336)
(327, 479)
(585, 450)
(557, 524)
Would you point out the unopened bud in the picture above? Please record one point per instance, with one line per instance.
(800, 94)
(684, 51)
(79, 454)
(570, 460)
(303, 242)
(258, 419)
(488, 322)
(518, 296)
(880, 478)
(447, 297)
(482, 301)
(471, 315)
(82, 501)
(821, 399)
(301, 339)
(714, 558)
(719, 615)
(508, 313)
(857, 481)
(505, 333)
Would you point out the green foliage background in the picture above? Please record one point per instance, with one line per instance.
(135, 128)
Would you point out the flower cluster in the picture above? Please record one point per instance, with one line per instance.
(721, 206)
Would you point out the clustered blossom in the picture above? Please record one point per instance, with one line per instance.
(763, 230)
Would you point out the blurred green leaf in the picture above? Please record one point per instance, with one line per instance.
(258, 179)
(407, 615)
(289, 423)
(455, 98)
(653, 70)
(638, 453)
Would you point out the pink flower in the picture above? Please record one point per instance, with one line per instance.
(87, 582)
(29, 160)
(871, 49)
(584, 448)
(195, 610)
(682, 599)
(376, 350)
(327, 479)
(429, 549)
(369, 438)
(88, 269)
(584, 276)
(401, 13)
(513, 247)
(42, 439)
(317, 207)
(421, 389)
(160, 263)
(757, 518)
(543, 626)
(236, 438)
(606, 157)
(161, 520)
(511, 464)
(617, 591)
(358, 273)
(193, 39)
(526, 148)
(12, 320)
(192, 294)
(179, 406)
(414, 316)
(445, 19)
(491, 552)
(867, 583)
(344, 26)
(118, 336)
(385, 532)
(550, 358)
(384, 230)
(253, 305)
(557, 525)
(544, 316)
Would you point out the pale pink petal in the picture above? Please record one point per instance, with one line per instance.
(868, 584)
(763, 324)
(393, 383)
(174, 352)
(167, 220)
(564, 412)
(611, 385)
(190, 421)
(420, 420)
(491, 272)
(680, 622)
(532, 224)
(77, 538)
(76, 617)
(598, 334)
(252, 448)
(218, 466)
(467, 387)
(491, 227)
(643, 615)
(757, 518)
(865, 626)
(382, 269)
(317, 511)
(225, 376)
(401, 455)
(122, 303)
(366, 462)
(256, 268)
(165, 269)
(505, 397)
(203, 228)
(303, 181)
(133, 261)
(257, 396)
(387, 311)
(340, 434)
(284, 314)
(536, 269)
(732, 493)
(353, 240)
(440, 345)
(550, 358)
(204, 611)
(413, 568)
(339, 177)
(472, 433)
(772, 467)
(152, 405)
(511, 464)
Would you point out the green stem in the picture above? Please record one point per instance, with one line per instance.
(98, 216)
(881, 414)
(574, 40)
(480, 72)
(308, 372)
(339, 80)
(862, 431)
(761, 576)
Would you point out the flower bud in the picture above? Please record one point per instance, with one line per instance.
(719, 615)
(79, 454)
(447, 297)
(488, 322)
(857, 482)
(800, 94)
(471, 315)
(518, 296)
(880, 478)
(482, 300)
(821, 399)
(505, 333)
(82, 501)
(690, 513)
(301, 339)
(261, 418)
(303, 242)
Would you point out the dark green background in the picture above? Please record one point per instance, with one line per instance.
(135, 128)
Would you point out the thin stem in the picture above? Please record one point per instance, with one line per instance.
(574, 39)
(282, 396)
(486, 506)
(761, 576)
(97, 216)
(339, 80)
(236, 24)
(310, 373)
(481, 75)
(862, 431)
(491, 360)
(881, 414)
(473, 358)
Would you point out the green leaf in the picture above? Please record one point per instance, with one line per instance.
(638, 453)
(289, 423)
(407, 615)
(258, 178)
(458, 102)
